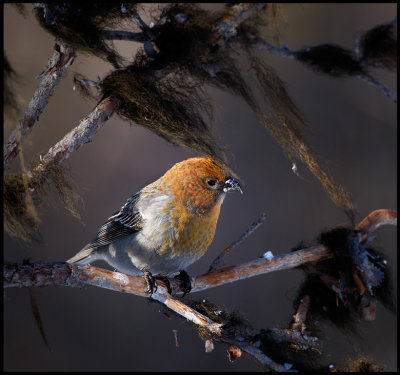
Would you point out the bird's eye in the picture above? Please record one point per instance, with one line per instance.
(211, 182)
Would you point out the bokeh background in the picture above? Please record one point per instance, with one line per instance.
(354, 130)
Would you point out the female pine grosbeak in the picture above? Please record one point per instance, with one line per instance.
(167, 225)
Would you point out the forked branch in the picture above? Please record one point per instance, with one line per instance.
(65, 274)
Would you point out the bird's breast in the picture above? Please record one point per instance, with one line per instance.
(172, 230)
(190, 232)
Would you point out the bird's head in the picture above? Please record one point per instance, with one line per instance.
(200, 183)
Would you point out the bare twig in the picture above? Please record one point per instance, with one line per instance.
(301, 314)
(374, 220)
(243, 236)
(143, 25)
(87, 82)
(81, 134)
(260, 266)
(175, 332)
(125, 35)
(295, 337)
(293, 55)
(226, 28)
(378, 85)
(56, 69)
(258, 354)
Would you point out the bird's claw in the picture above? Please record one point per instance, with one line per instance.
(185, 278)
(150, 282)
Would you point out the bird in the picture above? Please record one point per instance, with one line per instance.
(167, 225)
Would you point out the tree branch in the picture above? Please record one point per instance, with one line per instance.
(81, 134)
(65, 274)
(293, 55)
(56, 69)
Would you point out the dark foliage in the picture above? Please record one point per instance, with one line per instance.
(331, 59)
(81, 25)
(379, 46)
(344, 289)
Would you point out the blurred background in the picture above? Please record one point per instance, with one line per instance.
(92, 329)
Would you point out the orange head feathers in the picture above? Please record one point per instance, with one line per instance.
(199, 183)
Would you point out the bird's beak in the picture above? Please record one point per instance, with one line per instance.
(231, 184)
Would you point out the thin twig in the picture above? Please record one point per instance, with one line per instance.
(162, 295)
(87, 82)
(124, 35)
(56, 69)
(143, 25)
(227, 27)
(243, 236)
(301, 314)
(374, 220)
(293, 55)
(258, 354)
(260, 266)
(292, 336)
(378, 85)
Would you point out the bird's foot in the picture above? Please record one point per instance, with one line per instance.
(150, 281)
(185, 278)
(152, 284)
(166, 281)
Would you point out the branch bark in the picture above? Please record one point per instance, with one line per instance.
(56, 69)
(81, 134)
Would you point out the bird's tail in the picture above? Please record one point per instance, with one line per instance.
(83, 257)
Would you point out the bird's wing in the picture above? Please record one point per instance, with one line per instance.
(123, 223)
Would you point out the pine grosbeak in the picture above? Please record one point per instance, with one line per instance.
(167, 225)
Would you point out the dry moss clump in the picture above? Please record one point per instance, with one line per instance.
(23, 193)
(379, 46)
(81, 25)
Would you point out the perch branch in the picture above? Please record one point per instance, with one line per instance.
(74, 275)
(65, 274)
(43, 274)
(55, 70)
